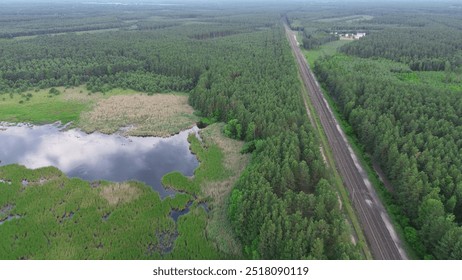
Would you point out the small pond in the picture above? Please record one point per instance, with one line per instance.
(98, 156)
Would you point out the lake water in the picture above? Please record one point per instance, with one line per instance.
(98, 156)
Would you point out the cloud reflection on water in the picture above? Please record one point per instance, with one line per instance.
(98, 156)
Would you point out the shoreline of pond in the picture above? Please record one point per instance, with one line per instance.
(179, 148)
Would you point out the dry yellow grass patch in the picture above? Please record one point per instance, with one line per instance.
(156, 115)
(119, 193)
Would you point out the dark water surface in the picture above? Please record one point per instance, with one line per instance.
(175, 214)
(98, 156)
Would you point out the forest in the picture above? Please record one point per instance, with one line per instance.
(237, 67)
(399, 88)
(283, 206)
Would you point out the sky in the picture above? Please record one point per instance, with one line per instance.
(225, 1)
(190, 1)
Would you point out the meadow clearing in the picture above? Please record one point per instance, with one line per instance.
(147, 115)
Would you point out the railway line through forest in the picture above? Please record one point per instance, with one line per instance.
(381, 236)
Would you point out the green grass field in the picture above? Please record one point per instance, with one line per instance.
(330, 48)
(451, 81)
(39, 108)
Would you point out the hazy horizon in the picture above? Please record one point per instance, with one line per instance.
(227, 1)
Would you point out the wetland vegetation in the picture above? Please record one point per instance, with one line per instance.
(46, 215)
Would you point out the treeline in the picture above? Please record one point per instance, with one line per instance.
(104, 60)
(153, 25)
(414, 131)
(55, 30)
(430, 48)
(313, 35)
(214, 34)
(41, 19)
(140, 81)
(167, 58)
(315, 40)
(284, 206)
(17, 19)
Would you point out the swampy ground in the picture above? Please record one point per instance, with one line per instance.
(46, 215)
(50, 216)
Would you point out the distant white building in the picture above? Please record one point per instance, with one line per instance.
(359, 35)
(352, 36)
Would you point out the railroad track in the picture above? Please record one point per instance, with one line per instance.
(375, 222)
